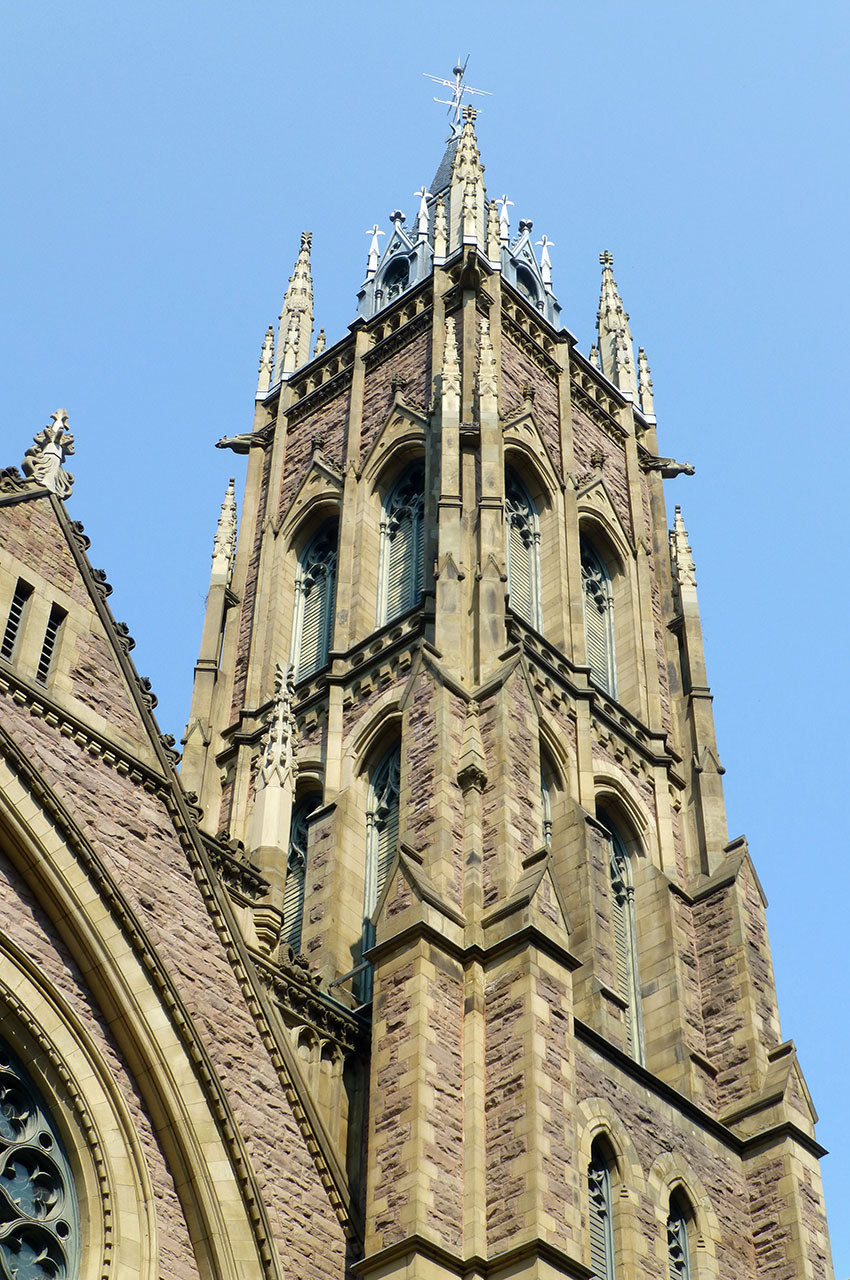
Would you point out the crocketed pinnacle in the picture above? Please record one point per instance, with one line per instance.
(224, 543)
(681, 557)
(615, 339)
(451, 367)
(296, 319)
(487, 380)
(645, 383)
(264, 378)
(466, 194)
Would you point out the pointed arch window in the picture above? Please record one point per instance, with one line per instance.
(39, 1212)
(625, 941)
(396, 278)
(598, 597)
(678, 1254)
(296, 870)
(599, 1214)
(402, 545)
(315, 587)
(382, 827)
(546, 797)
(523, 551)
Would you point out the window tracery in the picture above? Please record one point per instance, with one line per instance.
(402, 544)
(315, 587)
(523, 551)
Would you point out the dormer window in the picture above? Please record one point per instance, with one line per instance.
(396, 278)
(526, 284)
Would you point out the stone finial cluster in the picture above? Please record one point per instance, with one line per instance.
(43, 460)
(681, 558)
(295, 328)
(487, 375)
(224, 543)
(278, 765)
(614, 336)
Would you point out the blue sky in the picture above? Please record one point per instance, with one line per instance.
(161, 161)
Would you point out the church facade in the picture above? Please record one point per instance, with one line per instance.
(433, 958)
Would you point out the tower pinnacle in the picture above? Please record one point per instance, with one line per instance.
(615, 338)
(296, 319)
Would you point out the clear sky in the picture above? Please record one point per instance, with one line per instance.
(161, 160)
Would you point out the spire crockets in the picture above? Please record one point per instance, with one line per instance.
(466, 195)
(264, 379)
(680, 553)
(296, 318)
(645, 383)
(615, 338)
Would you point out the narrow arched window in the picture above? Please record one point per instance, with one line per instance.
(382, 826)
(678, 1254)
(402, 550)
(599, 1214)
(523, 551)
(625, 941)
(396, 278)
(40, 1234)
(598, 619)
(296, 870)
(313, 616)
(546, 797)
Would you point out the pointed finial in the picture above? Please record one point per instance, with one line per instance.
(374, 251)
(493, 237)
(278, 765)
(224, 543)
(264, 377)
(645, 385)
(487, 381)
(615, 338)
(441, 230)
(593, 356)
(504, 220)
(397, 219)
(43, 460)
(422, 216)
(295, 326)
(545, 260)
(451, 367)
(682, 560)
(321, 342)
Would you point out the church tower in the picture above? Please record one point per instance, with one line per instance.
(452, 738)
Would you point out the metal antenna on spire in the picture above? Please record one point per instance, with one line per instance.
(458, 88)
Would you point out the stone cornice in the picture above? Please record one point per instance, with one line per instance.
(506, 1262)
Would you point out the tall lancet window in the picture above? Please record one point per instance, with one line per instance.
(599, 1214)
(296, 870)
(546, 798)
(677, 1239)
(381, 843)
(522, 529)
(313, 616)
(598, 619)
(402, 547)
(40, 1232)
(625, 941)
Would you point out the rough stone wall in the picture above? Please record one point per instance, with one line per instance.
(655, 1130)
(511, 808)
(520, 371)
(131, 831)
(587, 437)
(413, 363)
(420, 749)
(249, 596)
(329, 424)
(30, 536)
(22, 919)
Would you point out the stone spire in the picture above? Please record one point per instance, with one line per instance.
(43, 460)
(681, 558)
(264, 380)
(224, 544)
(320, 344)
(296, 319)
(466, 194)
(441, 231)
(645, 384)
(493, 231)
(615, 338)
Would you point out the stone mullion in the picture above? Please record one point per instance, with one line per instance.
(345, 614)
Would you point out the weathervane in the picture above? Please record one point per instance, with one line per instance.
(458, 88)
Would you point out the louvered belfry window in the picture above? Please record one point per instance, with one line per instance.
(598, 619)
(315, 586)
(599, 1215)
(382, 826)
(522, 528)
(402, 546)
(23, 591)
(296, 871)
(625, 941)
(677, 1242)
